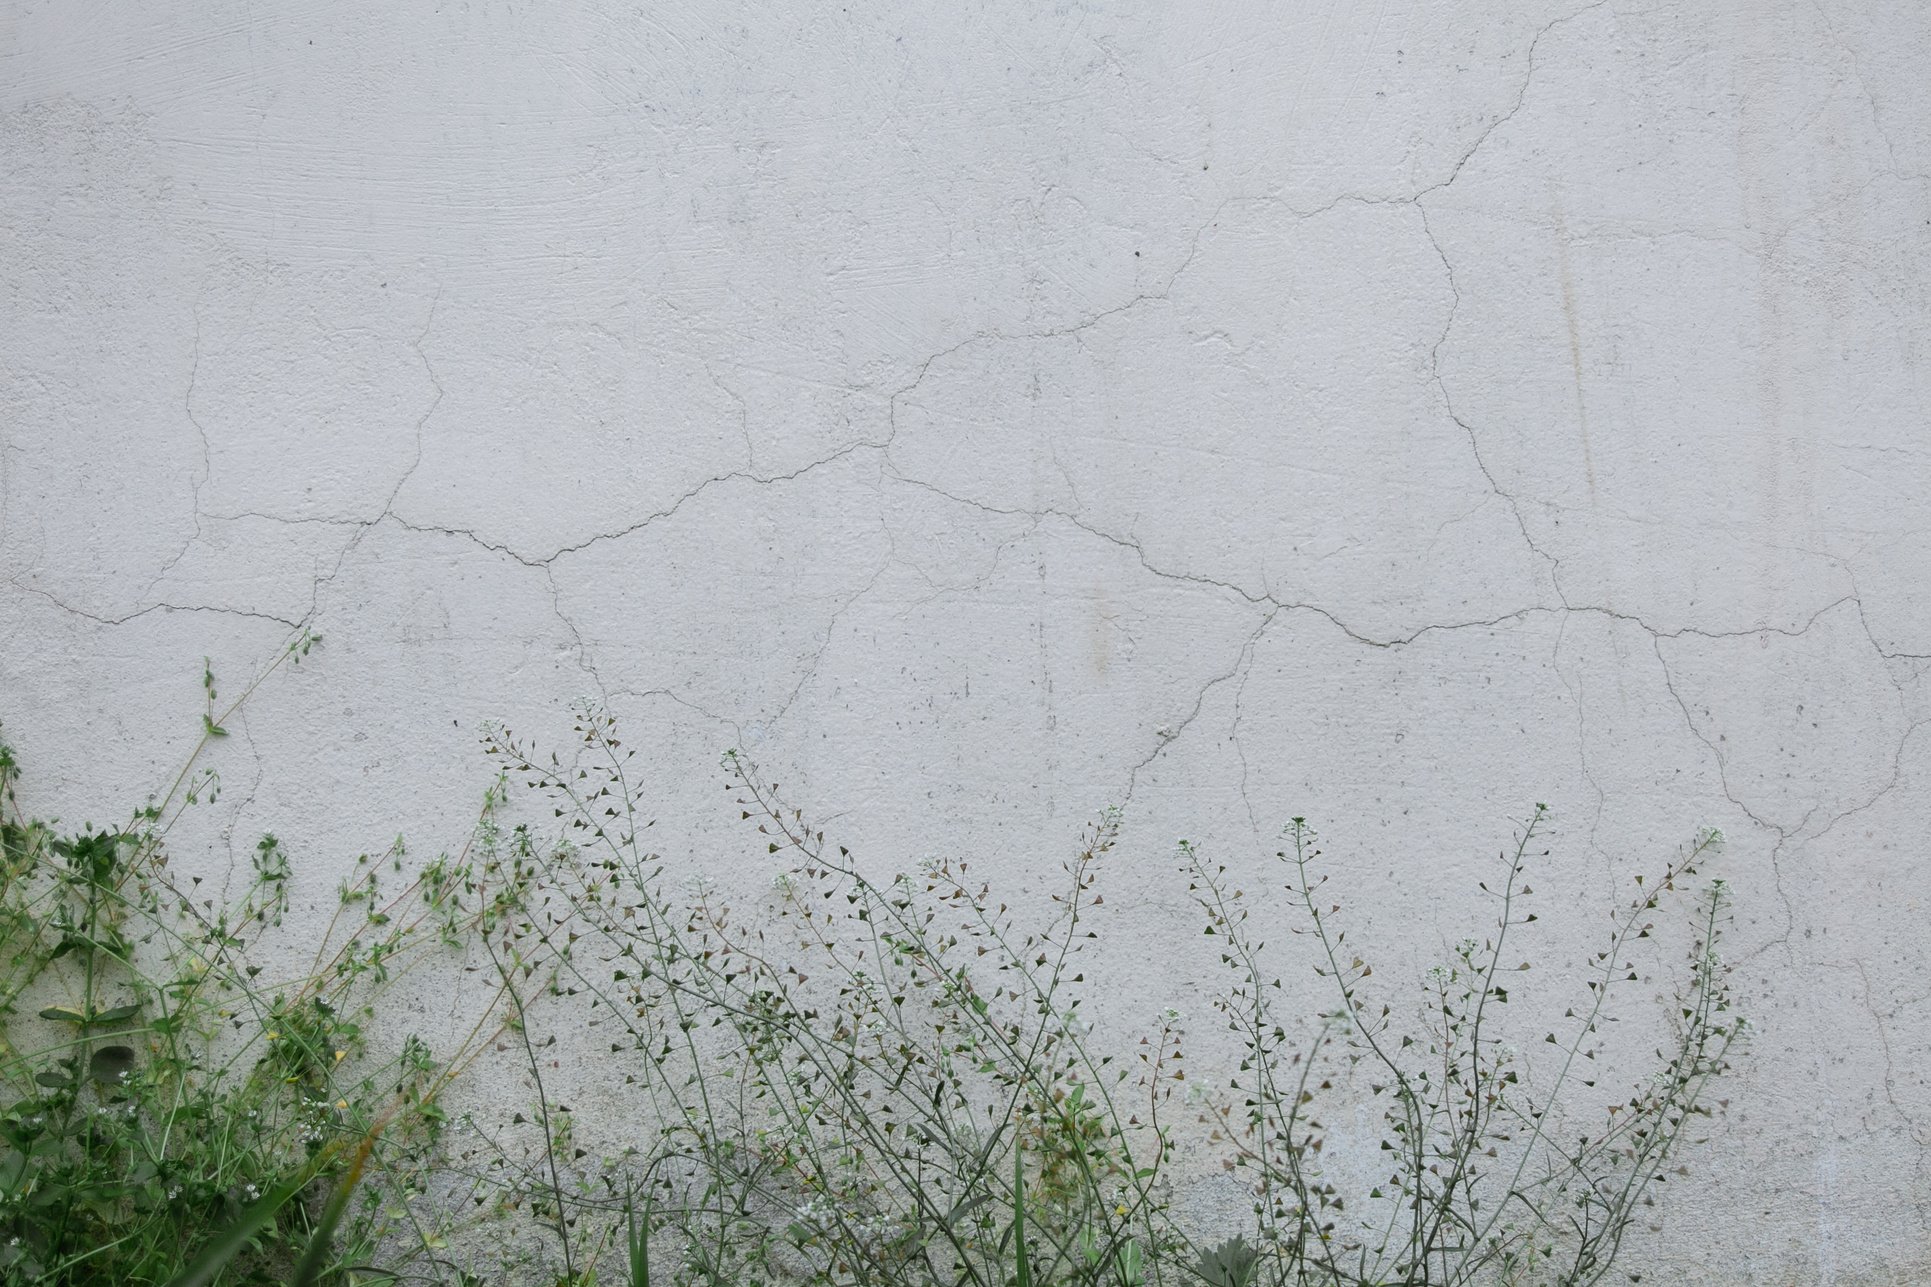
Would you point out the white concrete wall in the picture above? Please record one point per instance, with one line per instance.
(1393, 413)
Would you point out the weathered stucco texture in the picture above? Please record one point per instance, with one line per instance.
(1391, 413)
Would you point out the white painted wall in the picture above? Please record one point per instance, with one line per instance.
(1390, 413)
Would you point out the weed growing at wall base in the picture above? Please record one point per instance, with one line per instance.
(893, 1084)
(172, 1109)
(1488, 1177)
(838, 1079)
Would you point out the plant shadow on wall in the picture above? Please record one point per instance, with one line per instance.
(850, 1081)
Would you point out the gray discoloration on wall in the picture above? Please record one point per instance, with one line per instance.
(1393, 414)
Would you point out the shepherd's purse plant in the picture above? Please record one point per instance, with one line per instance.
(825, 1076)
(891, 1080)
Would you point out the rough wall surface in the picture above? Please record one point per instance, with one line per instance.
(982, 413)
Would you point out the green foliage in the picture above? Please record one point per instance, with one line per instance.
(893, 1084)
(1489, 1179)
(1231, 1264)
(170, 1108)
(884, 1084)
(848, 1082)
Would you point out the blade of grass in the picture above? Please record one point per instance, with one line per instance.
(309, 1271)
(1025, 1272)
(235, 1238)
(637, 1243)
(230, 1242)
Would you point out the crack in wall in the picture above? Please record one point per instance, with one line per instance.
(744, 415)
(389, 505)
(1574, 689)
(1415, 199)
(824, 644)
(992, 336)
(138, 613)
(1863, 88)
(1240, 750)
(1166, 737)
(680, 699)
(1414, 196)
(197, 480)
(1521, 97)
(585, 662)
(544, 560)
(1264, 597)
(1267, 598)
(1921, 1199)
(1448, 407)
(1729, 793)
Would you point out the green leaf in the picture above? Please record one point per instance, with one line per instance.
(15, 1169)
(1232, 1264)
(1025, 1274)
(637, 1243)
(67, 1014)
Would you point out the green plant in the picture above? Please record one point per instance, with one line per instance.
(165, 1078)
(892, 1084)
(1484, 1183)
(847, 1081)
(881, 1084)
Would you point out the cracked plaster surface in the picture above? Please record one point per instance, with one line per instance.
(1392, 415)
